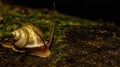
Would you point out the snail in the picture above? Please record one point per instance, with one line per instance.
(29, 39)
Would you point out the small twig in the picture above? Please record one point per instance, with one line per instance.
(54, 5)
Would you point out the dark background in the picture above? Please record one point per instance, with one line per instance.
(107, 11)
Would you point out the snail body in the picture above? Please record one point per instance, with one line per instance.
(29, 39)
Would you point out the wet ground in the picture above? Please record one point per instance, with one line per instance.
(77, 42)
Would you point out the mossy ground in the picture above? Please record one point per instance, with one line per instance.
(77, 42)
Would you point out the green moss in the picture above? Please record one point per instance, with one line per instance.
(77, 42)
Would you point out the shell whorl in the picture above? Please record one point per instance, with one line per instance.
(28, 36)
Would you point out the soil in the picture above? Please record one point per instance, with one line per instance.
(77, 42)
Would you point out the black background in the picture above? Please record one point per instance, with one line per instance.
(93, 10)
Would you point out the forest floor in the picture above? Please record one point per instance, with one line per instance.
(77, 42)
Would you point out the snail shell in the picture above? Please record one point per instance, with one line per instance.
(28, 36)
(30, 39)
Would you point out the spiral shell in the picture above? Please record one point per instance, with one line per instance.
(31, 39)
(28, 36)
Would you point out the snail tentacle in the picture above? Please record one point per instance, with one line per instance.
(30, 39)
(51, 36)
